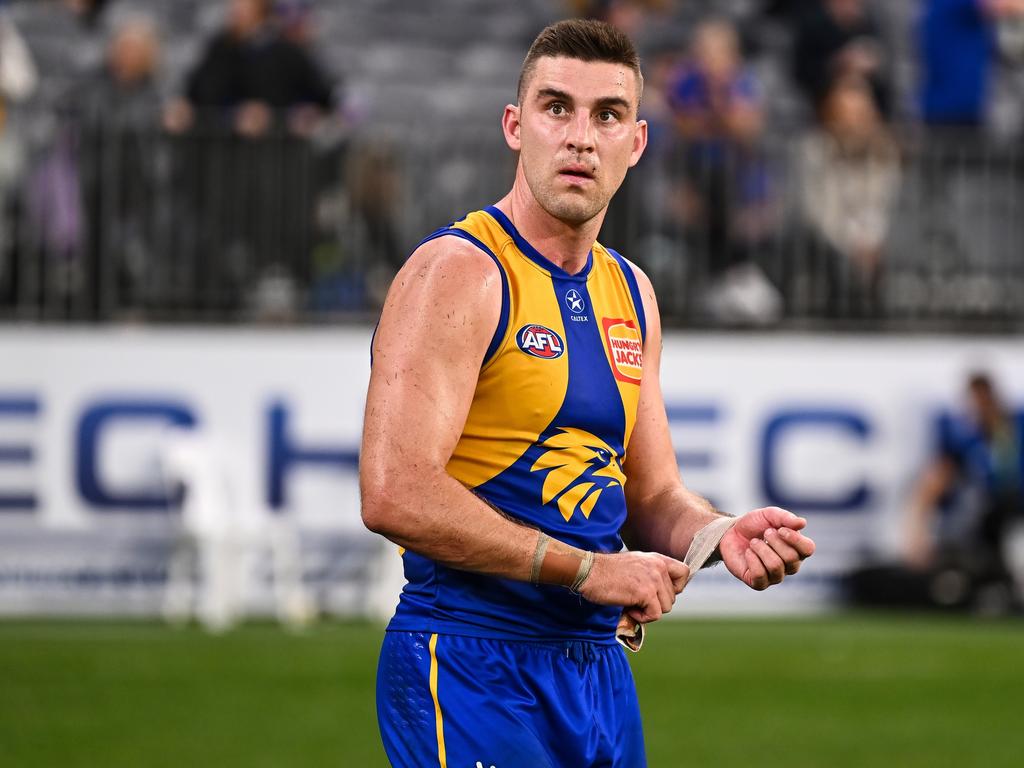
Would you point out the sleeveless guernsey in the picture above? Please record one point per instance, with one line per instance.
(545, 438)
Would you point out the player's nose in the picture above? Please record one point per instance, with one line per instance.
(580, 136)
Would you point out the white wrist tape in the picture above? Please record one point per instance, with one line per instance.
(629, 633)
(705, 542)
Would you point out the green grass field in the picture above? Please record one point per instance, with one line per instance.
(847, 691)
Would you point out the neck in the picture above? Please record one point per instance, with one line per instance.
(565, 244)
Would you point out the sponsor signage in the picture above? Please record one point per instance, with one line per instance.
(834, 429)
(625, 348)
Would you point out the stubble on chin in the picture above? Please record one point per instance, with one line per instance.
(573, 208)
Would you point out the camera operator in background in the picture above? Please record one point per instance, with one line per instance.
(980, 465)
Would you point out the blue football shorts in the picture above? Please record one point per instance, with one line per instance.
(467, 702)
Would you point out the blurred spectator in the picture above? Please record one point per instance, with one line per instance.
(637, 18)
(119, 162)
(256, 74)
(294, 19)
(253, 202)
(956, 94)
(980, 464)
(849, 173)
(18, 80)
(836, 39)
(296, 22)
(724, 202)
(80, 27)
(18, 76)
(375, 183)
(958, 47)
(124, 91)
(89, 11)
(790, 10)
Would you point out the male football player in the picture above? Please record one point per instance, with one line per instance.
(515, 438)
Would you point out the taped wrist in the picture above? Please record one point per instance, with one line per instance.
(582, 573)
(565, 569)
(706, 541)
(538, 557)
(629, 633)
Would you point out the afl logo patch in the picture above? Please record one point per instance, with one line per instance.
(540, 341)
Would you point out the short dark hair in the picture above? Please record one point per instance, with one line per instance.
(585, 40)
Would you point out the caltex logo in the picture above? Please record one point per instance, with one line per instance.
(540, 341)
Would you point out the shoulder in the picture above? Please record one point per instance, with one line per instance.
(447, 296)
(447, 272)
(643, 282)
(642, 286)
(451, 254)
(631, 270)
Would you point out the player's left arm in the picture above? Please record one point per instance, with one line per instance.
(762, 547)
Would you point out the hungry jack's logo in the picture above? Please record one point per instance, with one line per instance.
(579, 467)
(625, 347)
(540, 341)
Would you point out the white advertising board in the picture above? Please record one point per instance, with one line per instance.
(835, 428)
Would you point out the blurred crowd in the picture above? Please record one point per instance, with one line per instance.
(226, 169)
(713, 120)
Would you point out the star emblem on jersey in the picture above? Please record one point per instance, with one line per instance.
(579, 467)
(574, 301)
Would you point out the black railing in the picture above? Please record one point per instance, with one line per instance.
(114, 223)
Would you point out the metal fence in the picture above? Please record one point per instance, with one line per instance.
(115, 223)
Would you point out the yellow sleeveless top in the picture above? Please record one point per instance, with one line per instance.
(546, 435)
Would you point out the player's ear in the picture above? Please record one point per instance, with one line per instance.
(510, 127)
(639, 142)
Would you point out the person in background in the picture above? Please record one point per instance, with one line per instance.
(125, 89)
(956, 88)
(118, 111)
(980, 459)
(18, 75)
(89, 11)
(849, 169)
(254, 76)
(18, 81)
(296, 22)
(836, 39)
(724, 200)
(637, 18)
(252, 205)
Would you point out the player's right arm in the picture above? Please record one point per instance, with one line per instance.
(436, 325)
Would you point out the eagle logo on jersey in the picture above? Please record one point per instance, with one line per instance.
(579, 467)
(540, 341)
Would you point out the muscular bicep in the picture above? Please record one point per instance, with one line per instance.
(434, 330)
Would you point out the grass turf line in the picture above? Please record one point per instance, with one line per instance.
(846, 691)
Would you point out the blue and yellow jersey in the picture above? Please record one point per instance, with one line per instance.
(545, 438)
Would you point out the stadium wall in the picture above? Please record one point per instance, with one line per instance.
(833, 427)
